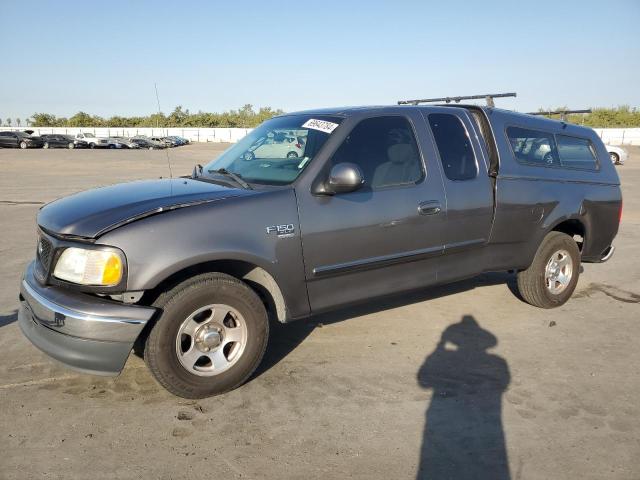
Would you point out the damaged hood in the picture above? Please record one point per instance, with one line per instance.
(94, 212)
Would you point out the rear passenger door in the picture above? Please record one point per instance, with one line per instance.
(468, 191)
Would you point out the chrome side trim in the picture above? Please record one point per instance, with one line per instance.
(377, 262)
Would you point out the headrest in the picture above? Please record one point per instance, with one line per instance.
(401, 153)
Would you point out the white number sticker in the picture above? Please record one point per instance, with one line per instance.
(321, 125)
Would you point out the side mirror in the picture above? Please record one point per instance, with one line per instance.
(344, 178)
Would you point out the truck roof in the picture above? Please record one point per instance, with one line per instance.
(493, 113)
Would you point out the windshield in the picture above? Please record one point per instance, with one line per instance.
(277, 151)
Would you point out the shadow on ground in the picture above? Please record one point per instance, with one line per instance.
(283, 339)
(8, 319)
(463, 433)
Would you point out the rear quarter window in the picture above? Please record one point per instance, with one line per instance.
(576, 152)
(533, 146)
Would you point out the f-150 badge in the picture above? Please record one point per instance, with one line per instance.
(286, 230)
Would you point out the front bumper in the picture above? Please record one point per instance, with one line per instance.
(84, 332)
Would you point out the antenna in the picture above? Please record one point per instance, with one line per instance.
(159, 113)
(487, 96)
(563, 113)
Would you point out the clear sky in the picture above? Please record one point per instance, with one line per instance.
(104, 57)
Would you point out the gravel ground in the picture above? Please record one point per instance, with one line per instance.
(369, 392)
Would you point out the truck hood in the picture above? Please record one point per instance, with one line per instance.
(91, 213)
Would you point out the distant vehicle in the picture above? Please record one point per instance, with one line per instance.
(62, 141)
(19, 140)
(122, 142)
(147, 143)
(618, 155)
(178, 140)
(276, 144)
(166, 141)
(92, 140)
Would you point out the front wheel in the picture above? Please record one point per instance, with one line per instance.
(46, 145)
(210, 338)
(553, 275)
(23, 144)
(71, 146)
(615, 158)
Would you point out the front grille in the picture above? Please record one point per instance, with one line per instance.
(45, 251)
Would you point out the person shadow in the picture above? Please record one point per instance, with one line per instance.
(463, 435)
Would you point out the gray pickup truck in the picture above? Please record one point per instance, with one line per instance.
(376, 201)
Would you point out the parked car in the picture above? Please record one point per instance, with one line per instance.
(62, 141)
(147, 143)
(383, 200)
(178, 141)
(15, 139)
(275, 144)
(618, 155)
(166, 141)
(92, 140)
(122, 142)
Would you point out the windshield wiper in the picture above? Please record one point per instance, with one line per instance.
(234, 176)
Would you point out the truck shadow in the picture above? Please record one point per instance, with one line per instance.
(463, 434)
(283, 339)
(8, 319)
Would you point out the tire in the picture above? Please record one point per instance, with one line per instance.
(46, 145)
(150, 148)
(92, 146)
(168, 349)
(23, 145)
(292, 155)
(545, 286)
(615, 158)
(248, 156)
(71, 146)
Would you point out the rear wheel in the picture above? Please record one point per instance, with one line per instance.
(210, 338)
(615, 158)
(292, 155)
(552, 277)
(46, 145)
(71, 146)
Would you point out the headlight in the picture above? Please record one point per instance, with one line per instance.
(89, 267)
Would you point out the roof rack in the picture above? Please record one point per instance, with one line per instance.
(488, 97)
(563, 113)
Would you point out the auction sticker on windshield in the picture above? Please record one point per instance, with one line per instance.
(321, 125)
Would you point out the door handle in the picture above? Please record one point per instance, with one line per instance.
(429, 208)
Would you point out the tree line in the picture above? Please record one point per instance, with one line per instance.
(247, 117)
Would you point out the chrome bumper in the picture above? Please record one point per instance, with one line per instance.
(608, 253)
(82, 331)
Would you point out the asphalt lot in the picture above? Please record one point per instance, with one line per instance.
(361, 393)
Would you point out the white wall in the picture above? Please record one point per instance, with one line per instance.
(619, 136)
(612, 136)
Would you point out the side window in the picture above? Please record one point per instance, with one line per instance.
(576, 152)
(454, 146)
(386, 151)
(533, 146)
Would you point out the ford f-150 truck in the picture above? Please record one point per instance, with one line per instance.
(379, 201)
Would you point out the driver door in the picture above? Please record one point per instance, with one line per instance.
(385, 237)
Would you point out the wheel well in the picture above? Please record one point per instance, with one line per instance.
(574, 228)
(256, 277)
